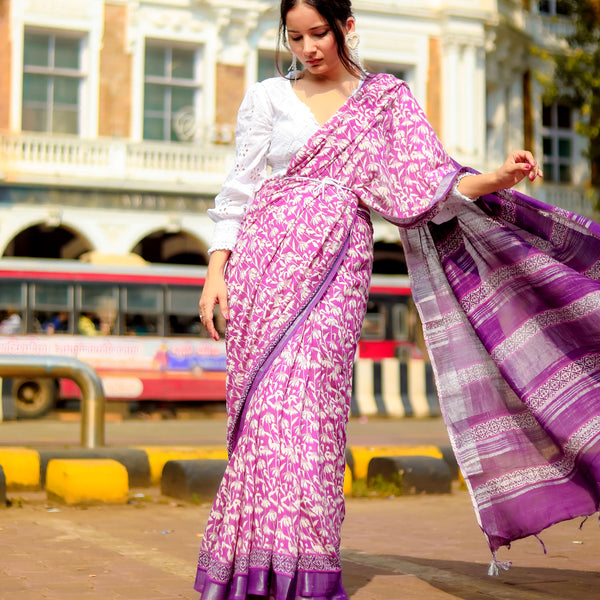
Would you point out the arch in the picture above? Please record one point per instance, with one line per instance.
(172, 247)
(46, 240)
(388, 259)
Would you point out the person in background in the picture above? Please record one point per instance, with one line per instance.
(58, 324)
(11, 324)
(86, 325)
(137, 326)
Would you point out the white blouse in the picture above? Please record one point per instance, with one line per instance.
(273, 124)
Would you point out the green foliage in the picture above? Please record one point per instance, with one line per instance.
(576, 79)
(378, 487)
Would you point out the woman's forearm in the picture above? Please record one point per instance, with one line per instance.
(519, 165)
(217, 262)
(474, 186)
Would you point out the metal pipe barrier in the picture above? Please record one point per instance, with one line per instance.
(63, 367)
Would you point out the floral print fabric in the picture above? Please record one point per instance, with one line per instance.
(275, 525)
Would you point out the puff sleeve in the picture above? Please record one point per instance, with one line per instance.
(252, 141)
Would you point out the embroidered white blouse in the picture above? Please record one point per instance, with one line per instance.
(273, 124)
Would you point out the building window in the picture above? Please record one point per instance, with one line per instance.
(267, 67)
(170, 91)
(52, 79)
(554, 7)
(391, 69)
(558, 142)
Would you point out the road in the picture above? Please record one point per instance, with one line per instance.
(193, 429)
(406, 548)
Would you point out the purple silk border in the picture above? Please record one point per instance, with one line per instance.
(305, 585)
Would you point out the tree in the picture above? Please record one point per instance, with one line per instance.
(576, 80)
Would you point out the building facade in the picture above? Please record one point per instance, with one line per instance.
(117, 116)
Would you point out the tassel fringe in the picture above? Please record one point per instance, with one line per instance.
(542, 543)
(497, 566)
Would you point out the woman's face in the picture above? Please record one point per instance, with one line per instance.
(312, 41)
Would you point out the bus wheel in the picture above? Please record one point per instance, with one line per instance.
(34, 397)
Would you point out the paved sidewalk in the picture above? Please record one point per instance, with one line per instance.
(410, 548)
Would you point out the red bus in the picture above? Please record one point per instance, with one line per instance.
(138, 327)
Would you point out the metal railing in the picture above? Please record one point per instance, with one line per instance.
(61, 367)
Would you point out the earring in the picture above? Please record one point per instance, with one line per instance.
(294, 65)
(352, 42)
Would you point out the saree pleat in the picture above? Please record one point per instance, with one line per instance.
(275, 526)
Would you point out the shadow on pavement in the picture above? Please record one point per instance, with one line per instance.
(470, 581)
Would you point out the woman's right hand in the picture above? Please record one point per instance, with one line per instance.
(214, 292)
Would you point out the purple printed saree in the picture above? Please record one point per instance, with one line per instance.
(509, 299)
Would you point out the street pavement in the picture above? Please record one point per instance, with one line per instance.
(194, 429)
(405, 548)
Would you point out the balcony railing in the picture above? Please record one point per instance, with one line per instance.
(545, 30)
(159, 166)
(572, 198)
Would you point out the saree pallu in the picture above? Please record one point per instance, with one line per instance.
(515, 284)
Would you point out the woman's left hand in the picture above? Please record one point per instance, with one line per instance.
(518, 165)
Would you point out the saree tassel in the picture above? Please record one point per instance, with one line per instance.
(539, 539)
(497, 566)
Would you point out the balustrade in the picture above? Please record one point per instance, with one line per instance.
(25, 156)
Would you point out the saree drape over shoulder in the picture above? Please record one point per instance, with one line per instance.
(510, 301)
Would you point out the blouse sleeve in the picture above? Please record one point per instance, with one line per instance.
(453, 203)
(252, 141)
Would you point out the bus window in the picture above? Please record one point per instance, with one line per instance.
(182, 312)
(142, 310)
(374, 324)
(98, 309)
(12, 307)
(52, 307)
(12, 295)
(414, 328)
(399, 322)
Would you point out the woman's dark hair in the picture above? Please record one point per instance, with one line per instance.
(336, 13)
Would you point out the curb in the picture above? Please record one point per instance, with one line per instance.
(394, 388)
(362, 455)
(87, 481)
(192, 480)
(413, 474)
(193, 473)
(135, 461)
(21, 468)
(3, 499)
(158, 456)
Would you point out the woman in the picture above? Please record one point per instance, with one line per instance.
(297, 244)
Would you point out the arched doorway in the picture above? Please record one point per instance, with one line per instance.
(173, 248)
(47, 241)
(389, 259)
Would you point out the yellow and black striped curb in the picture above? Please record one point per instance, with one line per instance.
(80, 475)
